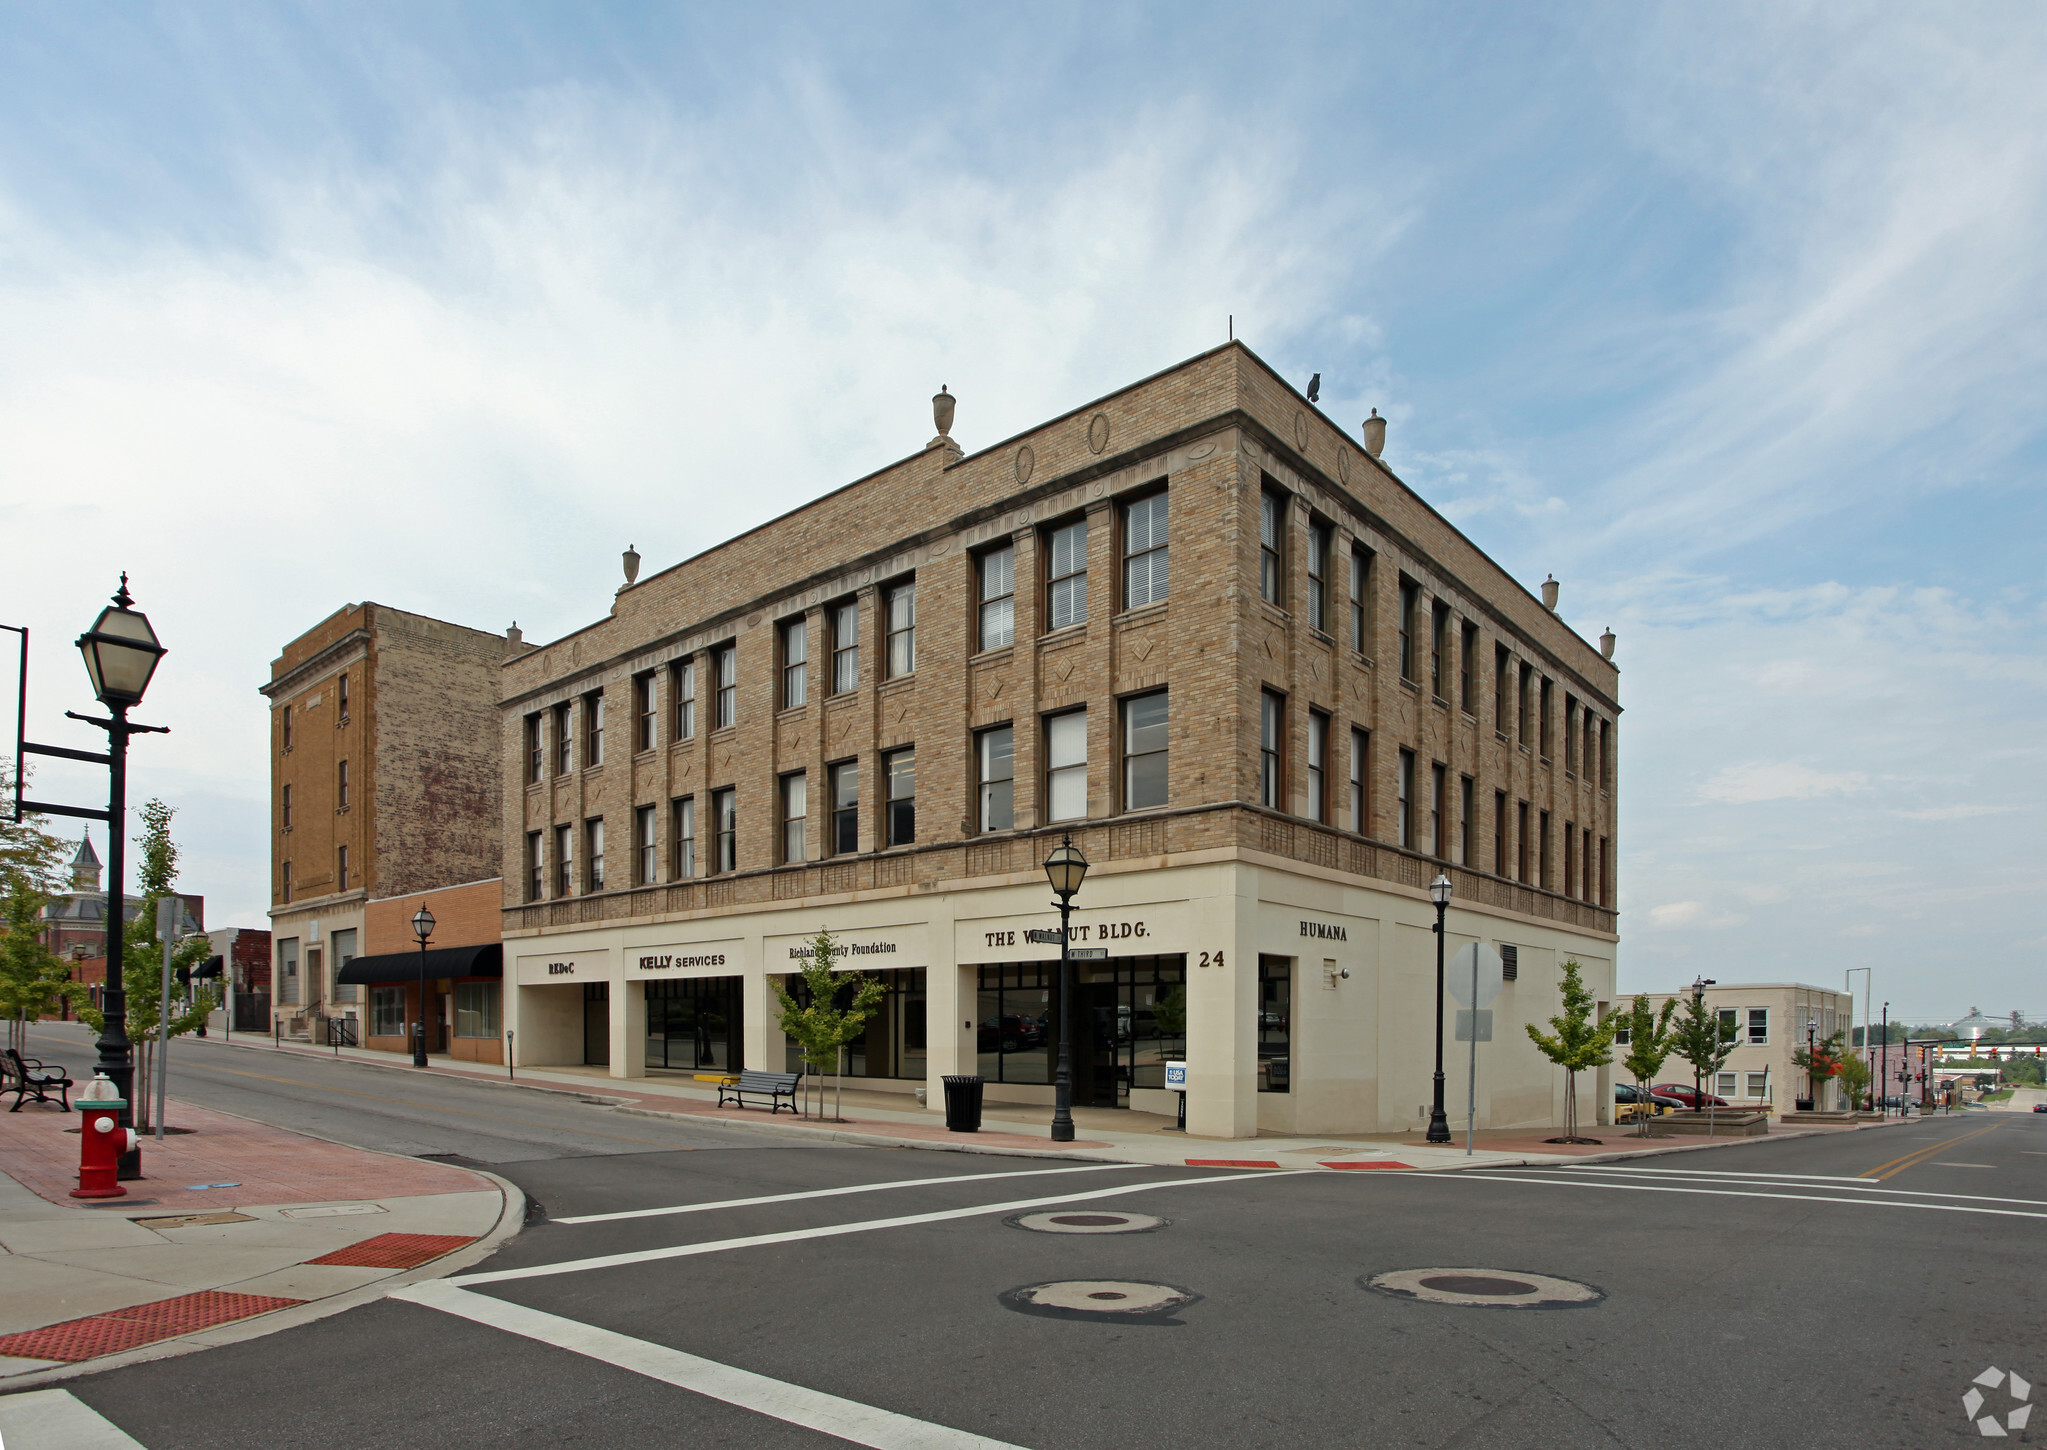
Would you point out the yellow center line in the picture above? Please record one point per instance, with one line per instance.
(1912, 1160)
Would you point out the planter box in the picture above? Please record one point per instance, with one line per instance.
(1823, 1119)
(1726, 1123)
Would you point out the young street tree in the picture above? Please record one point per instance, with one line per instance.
(1822, 1062)
(1649, 1045)
(1704, 1040)
(142, 958)
(33, 979)
(1576, 1044)
(824, 1026)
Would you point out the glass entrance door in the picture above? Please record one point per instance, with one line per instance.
(597, 1024)
(694, 1024)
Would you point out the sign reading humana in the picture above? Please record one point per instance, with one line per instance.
(1325, 932)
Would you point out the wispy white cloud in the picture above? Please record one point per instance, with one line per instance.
(1736, 785)
(1954, 813)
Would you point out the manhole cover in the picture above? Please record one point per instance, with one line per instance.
(1121, 1300)
(1091, 1222)
(1484, 1288)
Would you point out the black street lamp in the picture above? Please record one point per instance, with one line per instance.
(422, 927)
(1699, 986)
(1066, 868)
(1439, 1124)
(1812, 1064)
(1883, 1106)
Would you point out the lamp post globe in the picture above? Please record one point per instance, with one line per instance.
(121, 652)
(422, 927)
(1440, 891)
(1065, 868)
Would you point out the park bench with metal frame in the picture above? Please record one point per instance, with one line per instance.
(774, 1086)
(30, 1077)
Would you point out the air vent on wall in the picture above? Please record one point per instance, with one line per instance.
(1510, 962)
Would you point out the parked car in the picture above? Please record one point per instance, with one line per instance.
(1688, 1096)
(2040, 1107)
(1627, 1094)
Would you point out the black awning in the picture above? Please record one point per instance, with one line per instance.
(483, 961)
(211, 967)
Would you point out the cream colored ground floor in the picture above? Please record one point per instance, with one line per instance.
(1300, 1002)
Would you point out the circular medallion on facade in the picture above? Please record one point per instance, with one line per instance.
(1026, 460)
(1195, 455)
(1484, 1288)
(1086, 1221)
(1098, 432)
(753, 619)
(1343, 466)
(1118, 1300)
(1301, 430)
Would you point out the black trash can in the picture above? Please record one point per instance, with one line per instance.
(962, 1104)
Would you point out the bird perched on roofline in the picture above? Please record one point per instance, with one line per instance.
(1315, 388)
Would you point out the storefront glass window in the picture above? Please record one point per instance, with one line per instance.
(894, 1043)
(1275, 1024)
(476, 1009)
(387, 1011)
(1129, 1020)
(694, 1023)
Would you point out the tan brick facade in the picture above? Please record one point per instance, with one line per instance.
(1217, 435)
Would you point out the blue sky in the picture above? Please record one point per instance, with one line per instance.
(1730, 317)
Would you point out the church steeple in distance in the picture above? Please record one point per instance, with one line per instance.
(85, 866)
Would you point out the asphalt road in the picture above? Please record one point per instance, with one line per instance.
(1816, 1292)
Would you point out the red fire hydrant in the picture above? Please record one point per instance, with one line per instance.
(101, 1141)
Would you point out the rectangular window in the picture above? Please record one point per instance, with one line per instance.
(1542, 878)
(341, 785)
(1144, 751)
(1605, 757)
(286, 888)
(536, 864)
(564, 741)
(1521, 841)
(285, 807)
(844, 838)
(725, 822)
(593, 729)
(476, 1009)
(899, 767)
(288, 971)
(1570, 859)
(1275, 1023)
(646, 846)
(387, 1012)
(1272, 547)
(1272, 750)
(795, 816)
(1410, 606)
(645, 722)
(1407, 822)
(341, 868)
(341, 698)
(995, 763)
(1605, 880)
(1439, 649)
(1542, 729)
(284, 724)
(1724, 1086)
(1730, 1030)
(343, 954)
(1066, 575)
(1467, 821)
(682, 838)
(1759, 1026)
(1066, 766)
(536, 753)
(1570, 734)
(564, 860)
(1360, 782)
(725, 681)
(795, 643)
(1361, 600)
(1502, 677)
(1524, 706)
(1467, 670)
(1144, 551)
(1319, 536)
(683, 679)
(846, 647)
(1499, 833)
(593, 854)
(901, 603)
(1318, 767)
(1439, 804)
(1758, 1084)
(1586, 890)
(997, 569)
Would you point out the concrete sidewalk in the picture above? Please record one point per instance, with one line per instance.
(1104, 1134)
(237, 1229)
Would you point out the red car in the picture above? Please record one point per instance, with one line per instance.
(1685, 1094)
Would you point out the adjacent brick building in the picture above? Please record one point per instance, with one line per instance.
(384, 782)
(1269, 691)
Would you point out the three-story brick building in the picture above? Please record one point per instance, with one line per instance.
(1268, 690)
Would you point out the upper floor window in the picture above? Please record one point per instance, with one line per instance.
(593, 728)
(1066, 575)
(795, 663)
(286, 807)
(1543, 727)
(285, 892)
(1467, 669)
(1605, 757)
(1405, 786)
(998, 597)
(645, 722)
(682, 838)
(1439, 649)
(341, 868)
(1319, 538)
(535, 881)
(1759, 1026)
(341, 699)
(1361, 600)
(1066, 766)
(725, 823)
(341, 785)
(899, 814)
(683, 680)
(1570, 734)
(795, 816)
(536, 751)
(1144, 551)
(284, 724)
(843, 838)
(564, 741)
(900, 601)
(1503, 674)
(995, 764)
(1271, 749)
(845, 646)
(1524, 706)
(593, 854)
(1318, 766)
(646, 847)
(1439, 808)
(1410, 605)
(564, 860)
(1145, 742)
(1361, 782)
(725, 672)
(1271, 546)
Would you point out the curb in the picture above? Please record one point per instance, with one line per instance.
(864, 1140)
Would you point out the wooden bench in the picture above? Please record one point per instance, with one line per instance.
(29, 1077)
(774, 1086)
